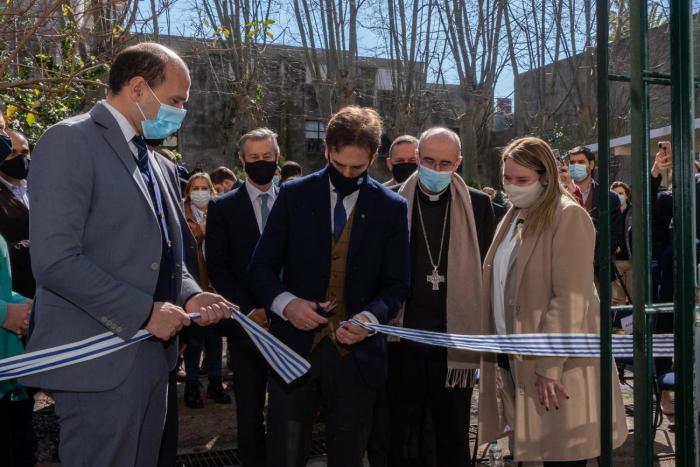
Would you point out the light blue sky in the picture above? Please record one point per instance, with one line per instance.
(285, 31)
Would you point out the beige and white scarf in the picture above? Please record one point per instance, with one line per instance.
(463, 307)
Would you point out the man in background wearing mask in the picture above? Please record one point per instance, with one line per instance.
(401, 161)
(334, 248)
(451, 229)
(581, 166)
(14, 212)
(106, 237)
(234, 224)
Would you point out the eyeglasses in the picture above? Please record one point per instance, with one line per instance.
(431, 163)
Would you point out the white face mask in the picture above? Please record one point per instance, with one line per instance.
(523, 196)
(200, 198)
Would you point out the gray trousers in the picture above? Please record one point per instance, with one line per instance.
(121, 427)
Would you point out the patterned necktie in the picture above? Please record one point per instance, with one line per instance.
(264, 208)
(142, 156)
(339, 217)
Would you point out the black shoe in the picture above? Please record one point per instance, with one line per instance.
(193, 398)
(217, 392)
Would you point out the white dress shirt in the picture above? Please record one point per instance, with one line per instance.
(254, 194)
(125, 126)
(501, 266)
(282, 300)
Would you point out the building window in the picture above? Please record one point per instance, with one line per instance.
(314, 135)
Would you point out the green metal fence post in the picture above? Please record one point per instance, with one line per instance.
(602, 14)
(682, 119)
(641, 229)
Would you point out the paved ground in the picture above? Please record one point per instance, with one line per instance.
(211, 432)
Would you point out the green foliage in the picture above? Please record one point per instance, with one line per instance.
(39, 89)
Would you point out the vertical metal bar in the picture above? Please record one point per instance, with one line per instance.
(641, 229)
(602, 14)
(682, 119)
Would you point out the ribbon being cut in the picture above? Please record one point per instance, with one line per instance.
(290, 366)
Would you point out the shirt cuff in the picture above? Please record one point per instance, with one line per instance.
(280, 303)
(372, 319)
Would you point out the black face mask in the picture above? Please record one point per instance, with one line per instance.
(154, 143)
(261, 172)
(16, 168)
(344, 185)
(401, 172)
(5, 147)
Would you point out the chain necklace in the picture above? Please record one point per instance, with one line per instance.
(434, 278)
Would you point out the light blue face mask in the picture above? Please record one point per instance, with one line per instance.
(623, 198)
(578, 171)
(433, 180)
(166, 123)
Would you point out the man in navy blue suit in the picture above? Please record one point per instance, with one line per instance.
(234, 223)
(335, 247)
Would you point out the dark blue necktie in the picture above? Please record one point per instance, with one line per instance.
(165, 287)
(339, 217)
(142, 156)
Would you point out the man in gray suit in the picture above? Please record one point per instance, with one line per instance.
(107, 254)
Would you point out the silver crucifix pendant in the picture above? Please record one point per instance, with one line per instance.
(435, 278)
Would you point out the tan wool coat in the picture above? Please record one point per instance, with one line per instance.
(549, 289)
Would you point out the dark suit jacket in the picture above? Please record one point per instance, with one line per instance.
(232, 233)
(14, 227)
(617, 224)
(484, 219)
(296, 244)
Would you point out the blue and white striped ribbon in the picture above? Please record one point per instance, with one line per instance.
(554, 345)
(288, 364)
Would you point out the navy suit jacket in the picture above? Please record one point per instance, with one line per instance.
(232, 233)
(294, 255)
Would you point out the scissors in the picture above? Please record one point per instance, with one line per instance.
(325, 311)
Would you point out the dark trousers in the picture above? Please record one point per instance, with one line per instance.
(168, 445)
(335, 384)
(17, 439)
(250, 373)
(418, 393)
(206, 338)
(378, 445)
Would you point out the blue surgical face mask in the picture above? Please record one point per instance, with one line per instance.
(166, 123)
(578, 171)
(433, 180)
(623, 198)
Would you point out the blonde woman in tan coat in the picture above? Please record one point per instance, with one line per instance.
(538, 278)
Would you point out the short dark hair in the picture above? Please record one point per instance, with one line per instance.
(221, 174)
(290, 169)
(583, 150)
(403, 139)
(354, 126)
(147, 59)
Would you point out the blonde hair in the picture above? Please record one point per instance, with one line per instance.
(190, 182)
(535, 154)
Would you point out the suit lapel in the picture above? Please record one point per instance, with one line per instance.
(115, 138)
(524, 251)
(12, 200)
(167, 199)
(363, 210)
(248, 210)
(321, 210)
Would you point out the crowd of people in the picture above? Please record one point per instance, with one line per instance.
(109, 234)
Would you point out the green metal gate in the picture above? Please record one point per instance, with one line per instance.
(682, 84)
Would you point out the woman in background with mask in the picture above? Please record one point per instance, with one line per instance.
(622, 286)
(198, 192)
(538, 278)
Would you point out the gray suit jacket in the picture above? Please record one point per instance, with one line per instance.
(96, 246)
